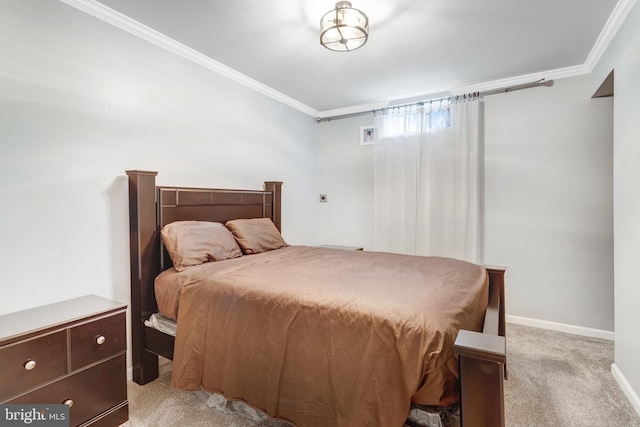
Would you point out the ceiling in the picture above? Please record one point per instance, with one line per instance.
(416, 48)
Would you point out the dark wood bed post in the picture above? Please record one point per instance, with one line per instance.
(482, 359)
(144, 254)
(276, 189)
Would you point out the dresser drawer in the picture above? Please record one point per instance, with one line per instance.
(44, 355)
(92, 390)
(99, 339)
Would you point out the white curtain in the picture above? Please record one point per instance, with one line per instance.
(427, 166)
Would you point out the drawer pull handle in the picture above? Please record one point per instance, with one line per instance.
(29, 364)
(68, 402)
(100, 340)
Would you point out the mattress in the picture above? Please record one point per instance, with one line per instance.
(320, 336)
(161, 323)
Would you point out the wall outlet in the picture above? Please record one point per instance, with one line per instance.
(323, 198)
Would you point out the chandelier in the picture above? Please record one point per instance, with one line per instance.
(344, 29)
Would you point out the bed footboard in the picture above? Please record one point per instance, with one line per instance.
(482, 361)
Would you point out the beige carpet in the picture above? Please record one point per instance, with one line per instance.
(558, 379)
(555, 379)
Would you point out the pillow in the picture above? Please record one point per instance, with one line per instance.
(196, 242)
(256, 235)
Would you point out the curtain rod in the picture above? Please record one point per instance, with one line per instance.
(541, 82)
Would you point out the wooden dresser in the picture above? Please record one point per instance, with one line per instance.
(71, 352)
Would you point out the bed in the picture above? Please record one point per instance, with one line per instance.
(330, 359)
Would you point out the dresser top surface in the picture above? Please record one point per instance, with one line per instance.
(34, 320)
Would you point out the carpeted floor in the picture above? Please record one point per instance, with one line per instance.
(558, 379)
(555, 379)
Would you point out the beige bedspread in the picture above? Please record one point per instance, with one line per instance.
(325, 337)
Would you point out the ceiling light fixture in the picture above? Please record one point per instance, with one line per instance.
(344, 29)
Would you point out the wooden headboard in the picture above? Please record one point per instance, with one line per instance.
(150, 208)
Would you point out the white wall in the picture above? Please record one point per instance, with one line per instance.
(549, 203)
(623, 56)
(548, 195)
(80, 103)
(346, 177)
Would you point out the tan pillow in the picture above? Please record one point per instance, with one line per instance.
(256, 235)
(196, 242)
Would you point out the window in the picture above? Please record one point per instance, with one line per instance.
(407, 121)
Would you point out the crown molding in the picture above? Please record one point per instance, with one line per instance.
(134, 27)
(125, 23)
(354, 109)
(615, 21)
(559, 73)
(617, 17)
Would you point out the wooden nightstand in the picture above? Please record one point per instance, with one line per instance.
(71, 352)
(345, 248)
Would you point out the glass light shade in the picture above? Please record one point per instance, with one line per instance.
(344, 29)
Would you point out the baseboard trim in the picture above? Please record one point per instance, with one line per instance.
(626, 387)
(562, 327)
